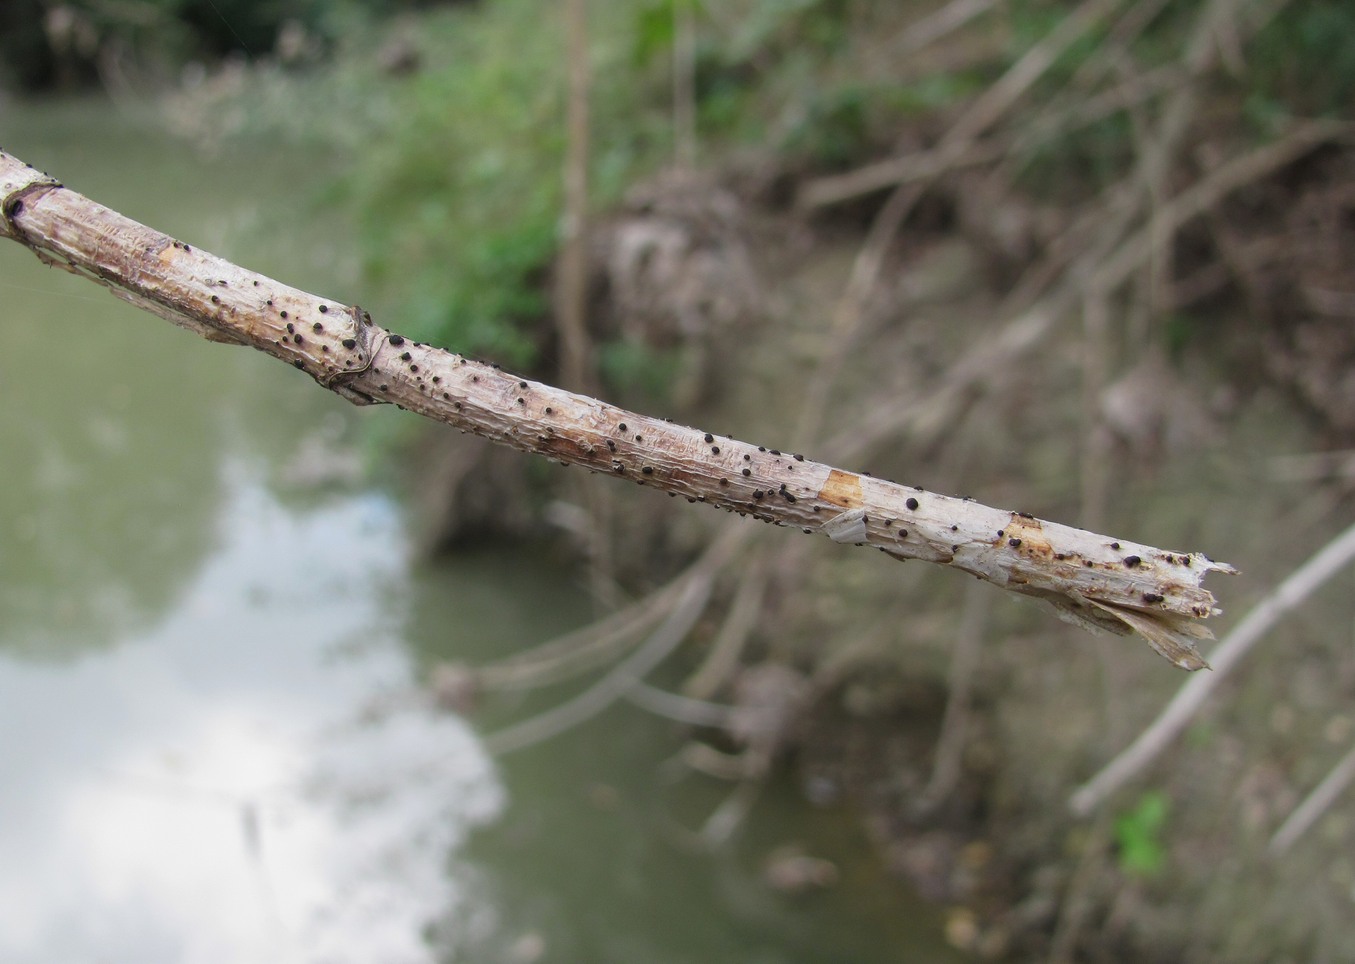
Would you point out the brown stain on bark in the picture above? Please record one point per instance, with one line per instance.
(1030, 532)
(842, 488)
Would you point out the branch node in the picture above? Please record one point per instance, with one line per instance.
(337, 381)
(14, 201)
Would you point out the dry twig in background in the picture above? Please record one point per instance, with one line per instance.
(1289, 594)
(1314, 805)
(619, 681)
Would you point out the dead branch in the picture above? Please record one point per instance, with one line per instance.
(723, 659)
(579, 651)
(603, 640)
(958, 139)
(1101, 266)
(620, 681)
(957, 147)
(938, 24)
(1314, 805)
(575, 366)
(684, 86)
(1301, 139)
(679, 708)
(1094, 580)
(892, 171)
(947, 761)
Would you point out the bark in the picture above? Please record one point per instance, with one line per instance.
(1099, 582)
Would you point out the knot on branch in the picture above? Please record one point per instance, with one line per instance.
(360, 340)
(17, 192)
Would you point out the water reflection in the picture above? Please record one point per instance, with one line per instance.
(192, 639)
(106, 485)
(212, 789)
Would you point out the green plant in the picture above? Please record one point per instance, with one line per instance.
(638, 371)
(1303, 62)
(1138, 835)
(461, 194)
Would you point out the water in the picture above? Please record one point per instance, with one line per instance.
(211, 744)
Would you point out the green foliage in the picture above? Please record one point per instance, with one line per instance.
(834, 128)
(1138, 835)
(1033, 21)
(772, 27)
(1303, 63)
(786, 74)
(458, 173)
(655, 30)
(1082, 160)
(459, 186)
(1178, 331)
(461, 193)
(640, 372)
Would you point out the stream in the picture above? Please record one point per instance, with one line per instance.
(213, 638)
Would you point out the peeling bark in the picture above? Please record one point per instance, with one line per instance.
(1095, 581)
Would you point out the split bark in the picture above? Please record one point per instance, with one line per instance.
(1098, 582)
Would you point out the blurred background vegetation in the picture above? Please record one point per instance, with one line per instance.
(1092, 259)
(446, 113)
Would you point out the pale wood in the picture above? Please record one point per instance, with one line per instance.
(1099, 582)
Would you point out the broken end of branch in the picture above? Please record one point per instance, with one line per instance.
(1172, 635)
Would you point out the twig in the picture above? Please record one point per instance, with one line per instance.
(573, 278)
(581, 650)
(957, 145)
(1314, 466)
(617, 683)
(1095, 461)
(1088, 109)
(679, 708)
(998, 97)
(1208, 191)
(1314, 806)
(601, 640)
(1077, 895)
(1190, 697)
(938, 24)
(866, 267)
(721, 824)
(723, 658)
(955, 720)
(684, 85)
(1096, 581)
(1109, 265)
(893, 171)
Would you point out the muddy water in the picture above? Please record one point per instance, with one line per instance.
(211, 636)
